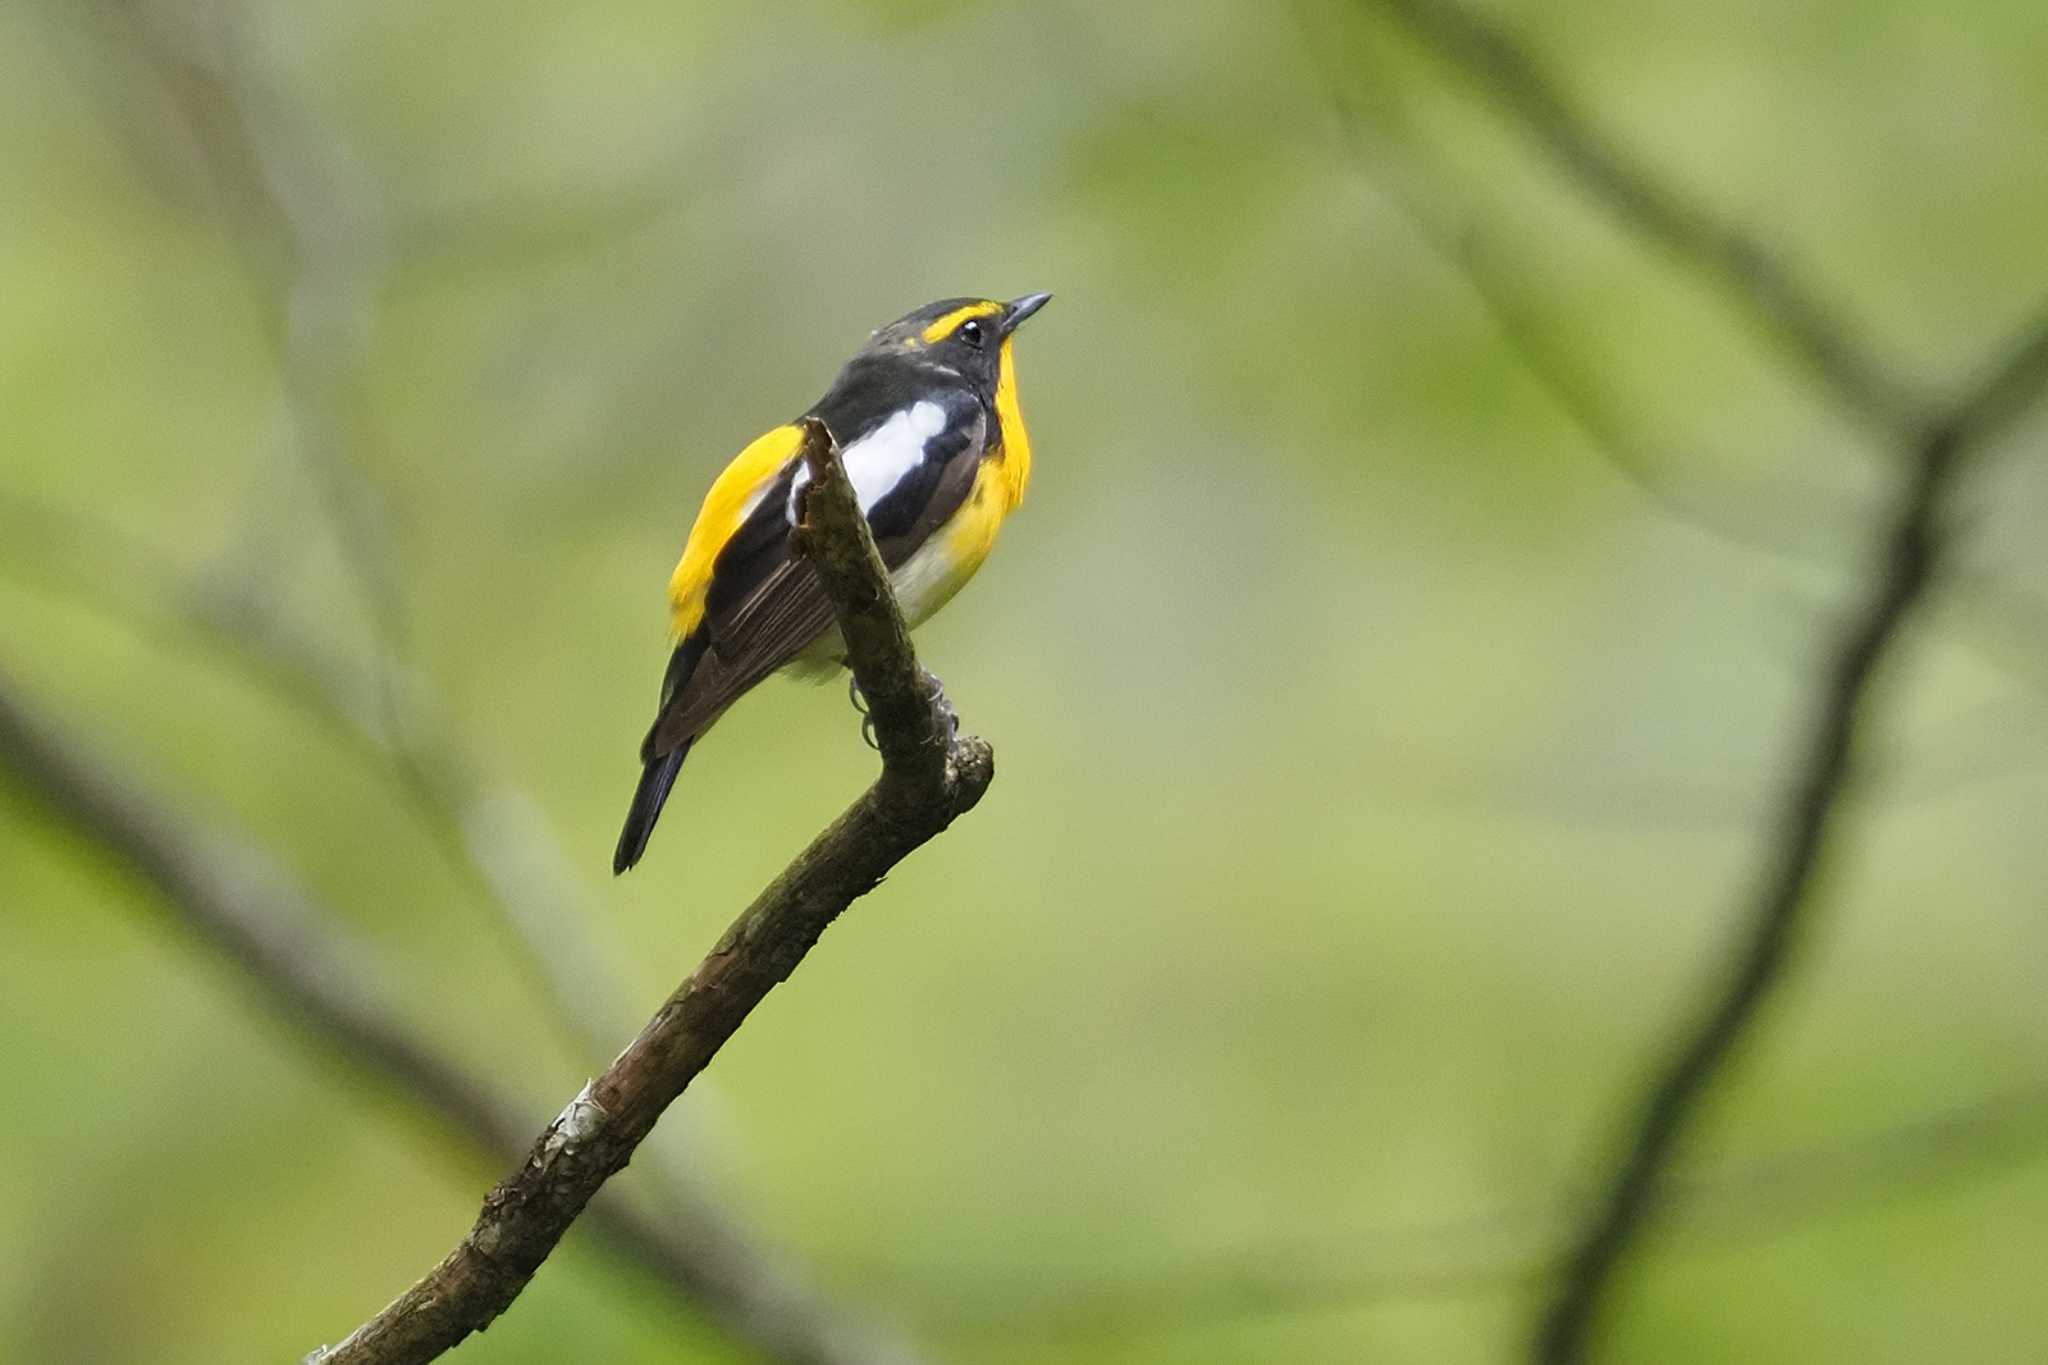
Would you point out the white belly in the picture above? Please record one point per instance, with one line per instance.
(940, 567)
(923, 583)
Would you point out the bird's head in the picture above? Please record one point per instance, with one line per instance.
(970, 336)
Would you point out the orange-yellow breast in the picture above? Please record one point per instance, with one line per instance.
(940, 568)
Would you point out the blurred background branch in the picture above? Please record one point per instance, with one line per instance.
(312, 234)
(1778, 520)
(389, 713)
(1911, 554)
(1738, 266)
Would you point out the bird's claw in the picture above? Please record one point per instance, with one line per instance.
(867, 721)
(935, 688)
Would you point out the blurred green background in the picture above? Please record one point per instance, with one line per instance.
(1381, 768)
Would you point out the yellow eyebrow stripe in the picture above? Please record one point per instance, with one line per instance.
(942, 328)
(725, 507)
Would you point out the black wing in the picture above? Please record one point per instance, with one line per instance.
(765, 604)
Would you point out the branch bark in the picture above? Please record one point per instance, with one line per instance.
(322, 982)
(928, 779)
(280, 179)
(1911, 553)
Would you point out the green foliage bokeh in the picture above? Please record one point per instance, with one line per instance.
(1380, 769)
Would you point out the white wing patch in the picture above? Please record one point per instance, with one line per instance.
(878, 461)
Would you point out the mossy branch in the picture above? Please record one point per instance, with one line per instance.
(928, 779)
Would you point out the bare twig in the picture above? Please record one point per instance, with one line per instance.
(928, 779)
(1779, 517)
(1744, 270)
(323, 983)
(1460, 243)
(1910, 556)
(1774, 516)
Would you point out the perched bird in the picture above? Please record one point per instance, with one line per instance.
(928, 426)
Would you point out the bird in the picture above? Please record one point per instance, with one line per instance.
(929, 429)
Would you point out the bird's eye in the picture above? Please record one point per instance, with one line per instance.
(971, 333)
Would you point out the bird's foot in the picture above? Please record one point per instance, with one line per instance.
(945, 706)
(937, 692)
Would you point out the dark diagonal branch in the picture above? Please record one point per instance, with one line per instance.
(1910, 555)
(323, 983)
(316, 233)
(1748, 273)
(928, 779)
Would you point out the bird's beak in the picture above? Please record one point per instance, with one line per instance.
(1016, 310)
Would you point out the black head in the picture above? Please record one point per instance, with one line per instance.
(963, 335)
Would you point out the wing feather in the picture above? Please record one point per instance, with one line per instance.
(759, 605)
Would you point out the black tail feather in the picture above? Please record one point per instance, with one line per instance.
(656, 778)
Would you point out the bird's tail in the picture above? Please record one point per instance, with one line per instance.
(656, 777)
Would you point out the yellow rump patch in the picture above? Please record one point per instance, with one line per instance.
(731, 498)
(944, 326)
